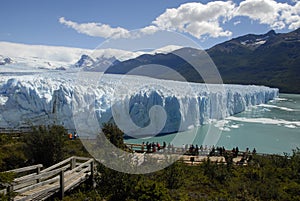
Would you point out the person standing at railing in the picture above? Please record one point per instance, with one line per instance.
(143, 145)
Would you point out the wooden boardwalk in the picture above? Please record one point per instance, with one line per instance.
(54, 180)
(192, 157)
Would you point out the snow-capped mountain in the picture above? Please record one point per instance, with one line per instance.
(42, 57)
(5, 60)
(39, 57)
(84, 61)
(253, 41)
(99, 64)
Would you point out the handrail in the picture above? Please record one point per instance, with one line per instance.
(52, 179)
(79, 167)
(24, 169)
(42, 175)
(58, 164)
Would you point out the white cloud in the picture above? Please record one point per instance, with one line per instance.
(96, 29)
(197, 19)
(204, 20)
(149, 29)
(276, 15)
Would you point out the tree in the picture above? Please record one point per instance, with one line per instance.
(6, 178)
(114, 135)
(174, 175)
(147, 189)
(45, 145)
(115, 185)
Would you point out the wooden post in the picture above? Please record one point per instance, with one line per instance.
(62, 185)
(38, 171)
(9, 191)
(92, 175)
(73, 163)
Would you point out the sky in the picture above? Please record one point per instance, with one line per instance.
(86, 24)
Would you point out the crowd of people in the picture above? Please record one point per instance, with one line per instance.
(194, 150)
(73, 136)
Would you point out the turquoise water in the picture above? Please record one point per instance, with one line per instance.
(270, 128)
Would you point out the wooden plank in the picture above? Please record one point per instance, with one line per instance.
(25, 177)
(37, 192)
(79, 167)
(24, 169)
(43, 175)
(57, 165)
(47, 187)
(74, 175)
(82, 158)
(23, 185)
(75, 182)
(3, 191)
(43, 183)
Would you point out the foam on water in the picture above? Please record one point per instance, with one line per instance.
(276, 107)
(278, 122)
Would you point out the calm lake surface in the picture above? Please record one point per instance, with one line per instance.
(270, 128)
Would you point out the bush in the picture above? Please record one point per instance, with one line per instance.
(45, 145)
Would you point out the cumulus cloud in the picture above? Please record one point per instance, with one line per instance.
(197, 19)
(276, 15)
(96, 29)
(204, 20)
(149, 29)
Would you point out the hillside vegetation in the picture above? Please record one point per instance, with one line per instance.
(269, 177)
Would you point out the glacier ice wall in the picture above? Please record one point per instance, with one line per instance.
(46, 100)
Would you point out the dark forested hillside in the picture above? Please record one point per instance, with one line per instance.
(270, 59)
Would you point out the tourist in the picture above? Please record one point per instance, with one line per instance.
(197, 150)
(153, 147)
(164, 144)
(148, 145)
(143, 145)
(75, 135)
(158, 146)
(236, 151)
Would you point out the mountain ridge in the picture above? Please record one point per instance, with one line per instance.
(271, 59)
(275, 63)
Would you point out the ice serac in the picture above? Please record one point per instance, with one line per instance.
(45, 100)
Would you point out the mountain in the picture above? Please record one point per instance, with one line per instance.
(84, 61)
(271, 59)
(5, 60)
(43, 57)
(99, 64)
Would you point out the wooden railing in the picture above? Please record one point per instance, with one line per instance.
(59, 178)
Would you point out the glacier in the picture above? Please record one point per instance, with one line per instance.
(139, 105)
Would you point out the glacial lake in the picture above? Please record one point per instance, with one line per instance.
(270, 128)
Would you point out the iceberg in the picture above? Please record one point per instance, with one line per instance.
(138, 105)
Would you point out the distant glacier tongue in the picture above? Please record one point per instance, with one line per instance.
(46, 100)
